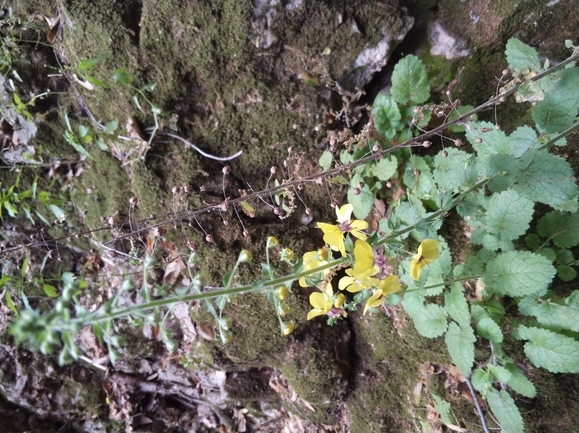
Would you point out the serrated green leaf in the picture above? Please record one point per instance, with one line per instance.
(487, 140)
(386, 114)
(508, 215)
(50, 290)
(562, 314)
(413, 303)
(326, 160)
(482, 381)
(561, 227)
(362, 202)
(502, 169)
(558, 109)
(548, 253)
(385, 168)
(506, 412)
(521, 57)
(488, 328)
(456, 305)
(455, 172)
(547, 178)
(566, 273)
(518, 273)
(460, 343)
(565, 257)
(522, 139)
(418, 178)
(500, 374)
(111, 127)
(442, 408)
(519, 382)
(533, 241)
(550, 350)
(430, 321)
(410, 81)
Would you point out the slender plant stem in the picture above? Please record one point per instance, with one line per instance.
(476, 403)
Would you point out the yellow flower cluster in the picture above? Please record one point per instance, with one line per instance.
(363, 275)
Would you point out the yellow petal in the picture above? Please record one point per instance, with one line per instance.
(374, 301)
(416, 268)
(320, 301)
(429, 250)
(390, 285)
(344, 213)
(345, 282)
(359, 225)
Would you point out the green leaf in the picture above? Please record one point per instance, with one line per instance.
(558, 109)
(488, 328)
(413, 303)
(501, 374)
(96, 82)
(548, 179)
(10, 303)
(455, 172)
(443, 409)
(563, 314)
(482, 381)
(386, 114)
(430, 321)
(111, 127)
(561, 227)
(508, 215)
(487, 140)
(418, 178)
(326, 160)
(57, 212)
(120, 76)
(50, 290)
(506, 412)
(456, 305)
(385, 168)
(519, 382)
(410, 81)
(550, 350)
(521, 57)
(533, 241)
(150, 87)
(86, 64)
(362, 202)
(460, 343)
(566, 273)
(522, 139)
(518, 273)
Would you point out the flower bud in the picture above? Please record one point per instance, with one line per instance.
(288, 328)
(245, 256)
(283, 309)
(282, 293)
(339, 301)
(287, 254)
(271, 242)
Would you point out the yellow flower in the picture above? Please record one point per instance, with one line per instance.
(314, 259)
(387, 286)
(334, 234)
(245, 256)
(359, 275)
(321, 302)
(271, 242)
(427, 253)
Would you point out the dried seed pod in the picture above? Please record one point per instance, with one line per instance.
(426, 143)
(389, 184)
(277, 210)
(498, 127)
(209, 238)
(376, 148)
(416, 172)
(133, 201)
(458, 142)
(246, 233)
(176, 190)
(478, 140)
(506, 72)
(273, 169)
(444, 153)
(308, 211)
(356, 191)
(226, 170)
(188, 189)
(361, 185)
